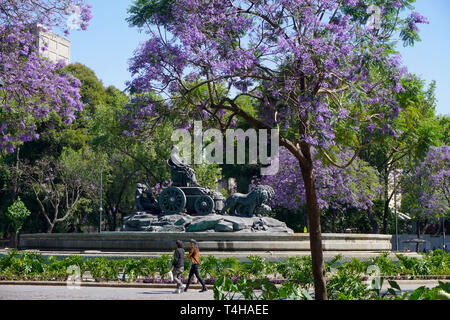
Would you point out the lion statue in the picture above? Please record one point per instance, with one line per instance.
(145, 200)
(251, 204)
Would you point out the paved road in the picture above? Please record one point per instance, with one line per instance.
(410, 286)
(14, 292)
(96, 293)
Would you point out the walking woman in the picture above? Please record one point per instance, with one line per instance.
(194, 255)
(178, 266)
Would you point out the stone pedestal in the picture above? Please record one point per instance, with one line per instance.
(232, 242)
(212, 223)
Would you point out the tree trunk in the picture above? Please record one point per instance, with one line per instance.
(418, 236)
(13, 241)
(333, 222)
(16, 177)
(315, 232)
(114, 220)
(306, 220)
(50, 228)
(373, 222)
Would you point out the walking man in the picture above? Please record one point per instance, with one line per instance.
(178, 266)
(194, 255)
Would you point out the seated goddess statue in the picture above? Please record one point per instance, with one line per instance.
(182, 174)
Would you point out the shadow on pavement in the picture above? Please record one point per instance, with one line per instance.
(158, 292)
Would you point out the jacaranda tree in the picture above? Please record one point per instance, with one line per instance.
(316, 69)
(338, 189)
(32, 89)
(420, 129)
(427, 186)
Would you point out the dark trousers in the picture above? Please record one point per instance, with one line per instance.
(192, 272)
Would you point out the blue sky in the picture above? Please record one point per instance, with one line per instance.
(109, 43)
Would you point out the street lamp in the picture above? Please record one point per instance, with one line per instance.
(444, 245)
(101, 200)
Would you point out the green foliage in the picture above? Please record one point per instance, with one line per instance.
(149, 267)
(26, 264)
(438, 262)
(215, 268)
(58, 267)
(92, 91)
(254, 280)
(420, 128)
(441, 292)
(385, 263)
(142, 11)
(228, 267)
(355, 266)
(65, 186)
(134, 268)
(257, 289)
(208, 266)
(435, 263)
(163, 265)
(30, 263)
(296, 220)
(296, 269)
(6, 261)
(444, 124)
(103, 269)
(412, 265)
(17, 213)
(257, 267)
(208, 175)
(347, 286)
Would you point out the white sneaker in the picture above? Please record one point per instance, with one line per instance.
(178, 291)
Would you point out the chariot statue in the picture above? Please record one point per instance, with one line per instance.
(185, 207)
(185, 194)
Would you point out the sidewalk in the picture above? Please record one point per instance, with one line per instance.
(41, 291)
(44, 293)
(101, 284)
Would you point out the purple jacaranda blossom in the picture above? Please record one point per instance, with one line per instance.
(32, 88)
(356, 186)
(416, 18)
(190, 50)
(427, 187)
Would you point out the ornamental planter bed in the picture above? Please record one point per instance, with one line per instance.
(29, 266)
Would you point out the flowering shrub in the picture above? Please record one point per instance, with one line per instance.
(33, 90)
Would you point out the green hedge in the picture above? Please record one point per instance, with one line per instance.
(30, 265)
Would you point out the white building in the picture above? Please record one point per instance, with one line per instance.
(58, 48)
(395, 190)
